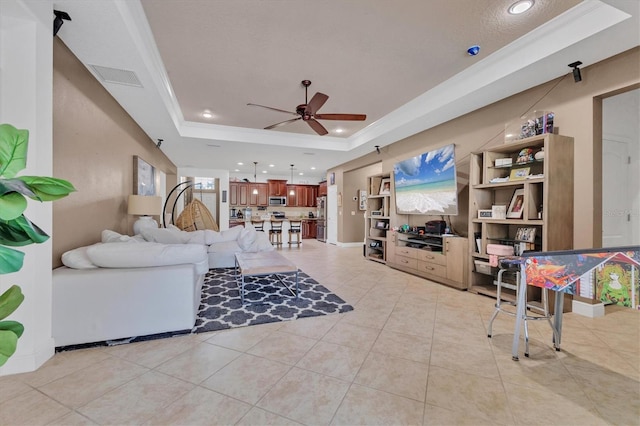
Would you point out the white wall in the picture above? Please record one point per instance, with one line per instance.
(26, 61)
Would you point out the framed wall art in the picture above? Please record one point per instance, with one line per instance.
(144, 177)
(362, 199)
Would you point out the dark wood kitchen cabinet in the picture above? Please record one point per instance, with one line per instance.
(309, 229)
(261, 199)
(277, 187)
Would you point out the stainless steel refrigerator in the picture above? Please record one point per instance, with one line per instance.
(321, 223)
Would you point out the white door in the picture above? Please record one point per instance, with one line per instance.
(616, 194)
(210, 200)
(332, 214)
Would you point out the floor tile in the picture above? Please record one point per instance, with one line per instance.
(247, 378)
(354, 336)
(243, 338)
(305, 397)
(394, 375)
(200, 406)
(341, 362)
(199, 362)
(153, 353)
(365, 406)
(123, 405)
(414, 348)
(283, 347)
(258, 416)
(31, 408)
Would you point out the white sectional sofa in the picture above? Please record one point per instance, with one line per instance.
(136, 286)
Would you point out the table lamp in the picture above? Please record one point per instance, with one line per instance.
(144, 206)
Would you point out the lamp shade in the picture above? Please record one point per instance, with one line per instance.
(144, 205)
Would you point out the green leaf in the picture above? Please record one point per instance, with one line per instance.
(21, 232)
(10, 300)
(12, 205)
(8, 345)
(48, 188)
(16, 185)
(13, 150)
(13, 326)
(10, 260)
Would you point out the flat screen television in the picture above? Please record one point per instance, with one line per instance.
(426, 184)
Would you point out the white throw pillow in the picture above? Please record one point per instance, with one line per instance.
(109, 236)
(247, 238)
(228, 234)
(78, 259)
(164, 235)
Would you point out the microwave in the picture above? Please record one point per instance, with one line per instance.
(278, 201)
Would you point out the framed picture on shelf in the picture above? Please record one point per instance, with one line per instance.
(362, 199)
(381, 224)
(385, 186)
(526, 235)
(517, 204)
(144, 177)
(519, 173)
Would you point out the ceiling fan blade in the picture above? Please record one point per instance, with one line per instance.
(319, 128)
(282, 123)
(347, 117)
(316, 103)
(274, 109)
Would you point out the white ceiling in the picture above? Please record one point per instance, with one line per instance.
(402, 63)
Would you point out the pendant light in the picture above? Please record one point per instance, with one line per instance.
(292, 191)
(255, 178)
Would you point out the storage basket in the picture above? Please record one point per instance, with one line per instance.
(196, 216)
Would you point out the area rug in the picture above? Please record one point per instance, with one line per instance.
(266, 300)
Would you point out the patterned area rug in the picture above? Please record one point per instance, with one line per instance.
(266, 300)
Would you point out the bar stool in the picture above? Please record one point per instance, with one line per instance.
(258, 224)
(295, 228)
(275, 233)
(512, 266)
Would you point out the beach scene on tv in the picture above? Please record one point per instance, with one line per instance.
(426, 184)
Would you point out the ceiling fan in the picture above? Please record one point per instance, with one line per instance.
(308, 112)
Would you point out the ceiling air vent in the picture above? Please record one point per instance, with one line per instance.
(118, 76)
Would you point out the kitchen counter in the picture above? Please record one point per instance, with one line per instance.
(267, 225)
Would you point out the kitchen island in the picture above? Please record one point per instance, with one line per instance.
(308, 225)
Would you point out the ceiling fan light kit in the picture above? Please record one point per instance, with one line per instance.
(308, 112)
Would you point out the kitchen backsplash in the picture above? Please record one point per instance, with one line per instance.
(288, 211)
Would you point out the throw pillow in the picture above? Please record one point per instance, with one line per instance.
(228, 234)
(164, 235)
(109, 236)
(78, 259)
(247, 238)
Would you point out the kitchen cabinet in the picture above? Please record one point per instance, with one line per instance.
(309, 229)
(233, 193)
(303, 195)
(277, 187)
(261, 198)
(322, 189)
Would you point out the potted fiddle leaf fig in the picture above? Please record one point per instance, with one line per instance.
(15, 229)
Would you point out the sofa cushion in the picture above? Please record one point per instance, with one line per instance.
(78, 259)
(125, 255)
(247, 238)
(224, 247)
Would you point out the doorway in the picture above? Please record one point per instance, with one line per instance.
(621, 169)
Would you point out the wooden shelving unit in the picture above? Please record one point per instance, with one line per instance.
(547, 202)
(377, 219)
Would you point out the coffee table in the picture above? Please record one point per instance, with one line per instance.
(261, 264)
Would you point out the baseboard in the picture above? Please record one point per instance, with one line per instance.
(357, 244)
(587, 309)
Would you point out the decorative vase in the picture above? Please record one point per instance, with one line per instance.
(540, 154)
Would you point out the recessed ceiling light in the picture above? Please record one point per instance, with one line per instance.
(313, 168)
(520, 7)
(264, 171)
(236, 170)
(240, 163)
(271, 165)
(301, 174)
(207, 114)
(339, 130)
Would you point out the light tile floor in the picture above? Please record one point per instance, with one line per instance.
(412, 352)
